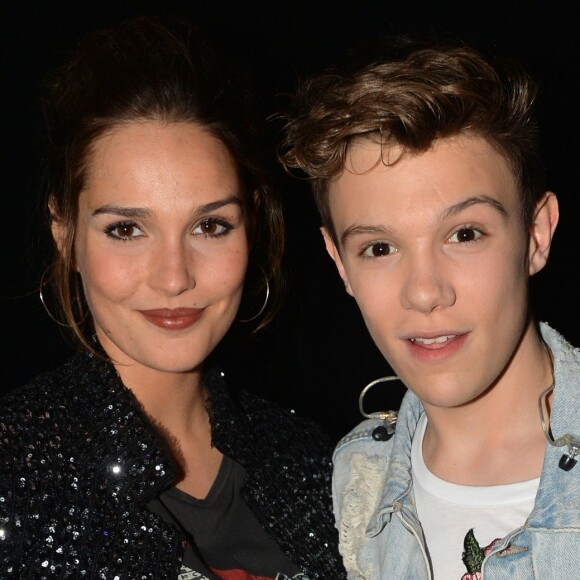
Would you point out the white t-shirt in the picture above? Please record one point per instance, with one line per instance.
(449, 511)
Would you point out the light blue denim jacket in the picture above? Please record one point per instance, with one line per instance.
(380, 535)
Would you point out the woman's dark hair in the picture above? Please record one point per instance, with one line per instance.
(147, 69)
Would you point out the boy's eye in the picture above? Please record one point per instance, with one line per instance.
(379, 249)
(465, 235)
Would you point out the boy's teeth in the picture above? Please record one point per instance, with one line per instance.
(438, 339)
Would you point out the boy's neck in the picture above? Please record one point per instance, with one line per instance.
(496, 439)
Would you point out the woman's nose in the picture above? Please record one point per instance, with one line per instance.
(172, 269)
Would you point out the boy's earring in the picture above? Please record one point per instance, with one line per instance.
(389, 418)
(571, 442)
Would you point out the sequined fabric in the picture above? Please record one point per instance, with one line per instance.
(289, 466)
(79, 461)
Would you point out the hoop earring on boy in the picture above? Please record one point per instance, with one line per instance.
(41, 296)
(569, 458)
(389, 418)
(265, 303)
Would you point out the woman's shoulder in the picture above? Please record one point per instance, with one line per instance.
(33, 428)
(260, 409)
(52, 402)
(239, 414)
(39, 400)
(286, 428)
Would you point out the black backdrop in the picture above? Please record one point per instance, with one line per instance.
(317, 356)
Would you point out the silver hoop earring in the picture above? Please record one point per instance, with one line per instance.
(389, 418)
(41, 296)
(569, 458)
(265, 303)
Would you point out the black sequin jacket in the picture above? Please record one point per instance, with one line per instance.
(79, 461)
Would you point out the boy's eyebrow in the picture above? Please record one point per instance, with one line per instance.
(141, 212)
(359, 230)
(474, 200)
(355, 230)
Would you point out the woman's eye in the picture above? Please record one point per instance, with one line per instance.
(212, 228)
(379, 249)
(124, 231)
(465, 235)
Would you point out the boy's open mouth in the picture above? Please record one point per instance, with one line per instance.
(430, 341)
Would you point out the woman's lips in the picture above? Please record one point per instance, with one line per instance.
(173, 319)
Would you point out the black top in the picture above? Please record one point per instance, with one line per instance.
(79, 461)
(224, 538)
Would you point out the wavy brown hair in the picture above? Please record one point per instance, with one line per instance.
(148, 69)
(410, 94)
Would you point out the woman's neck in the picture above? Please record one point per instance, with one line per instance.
(169, 398)
(176, 404)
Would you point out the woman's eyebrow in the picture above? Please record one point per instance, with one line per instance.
(212, 206)
(141, 212)
(128, 212)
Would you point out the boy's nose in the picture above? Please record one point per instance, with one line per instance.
(427, 288)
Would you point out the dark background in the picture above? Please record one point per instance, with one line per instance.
(317, 356)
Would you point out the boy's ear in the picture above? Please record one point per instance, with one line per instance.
(542, 231)
(335, 255)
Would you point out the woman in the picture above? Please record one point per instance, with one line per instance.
(133, 460)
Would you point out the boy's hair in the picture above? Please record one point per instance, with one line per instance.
(409, 94)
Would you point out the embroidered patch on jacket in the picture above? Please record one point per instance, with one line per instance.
(473, 555)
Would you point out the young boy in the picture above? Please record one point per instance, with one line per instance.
(425, 167)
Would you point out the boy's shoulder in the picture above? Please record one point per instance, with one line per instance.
(361, 440)
(566, 357)
(361, 460)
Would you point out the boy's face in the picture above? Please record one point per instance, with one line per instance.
(435, 252)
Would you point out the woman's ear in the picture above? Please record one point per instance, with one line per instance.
(542, 231)
(335, 255)
(256, 200)
(57, 226)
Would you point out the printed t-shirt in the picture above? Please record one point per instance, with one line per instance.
(225, 541)
(461, 522)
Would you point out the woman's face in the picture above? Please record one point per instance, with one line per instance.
(161, 243)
